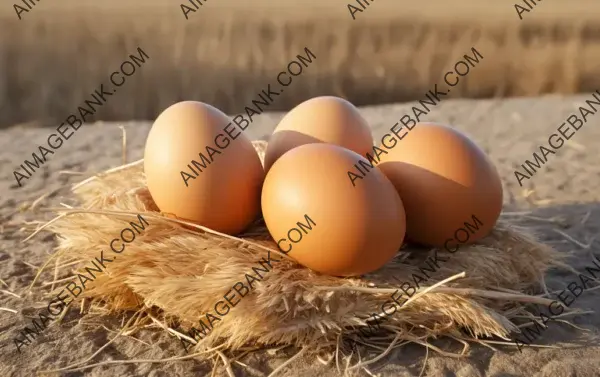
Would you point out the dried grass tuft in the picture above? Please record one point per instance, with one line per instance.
(176, 272)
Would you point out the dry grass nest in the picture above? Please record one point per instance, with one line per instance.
(174, 272)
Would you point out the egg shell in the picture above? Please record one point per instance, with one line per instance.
(357, 229)
(444, 179)
(201, 167)
(324, 119)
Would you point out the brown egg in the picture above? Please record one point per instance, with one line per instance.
(325, 223)
(322, 119)
(201, 167)
(446, 182)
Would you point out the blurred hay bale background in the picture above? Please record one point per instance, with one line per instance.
(57, 55)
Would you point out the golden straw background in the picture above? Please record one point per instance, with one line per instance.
(229, 50)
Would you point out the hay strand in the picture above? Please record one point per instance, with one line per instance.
(287, 362)
(9, 293)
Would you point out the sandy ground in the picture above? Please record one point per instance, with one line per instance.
(562, 196)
